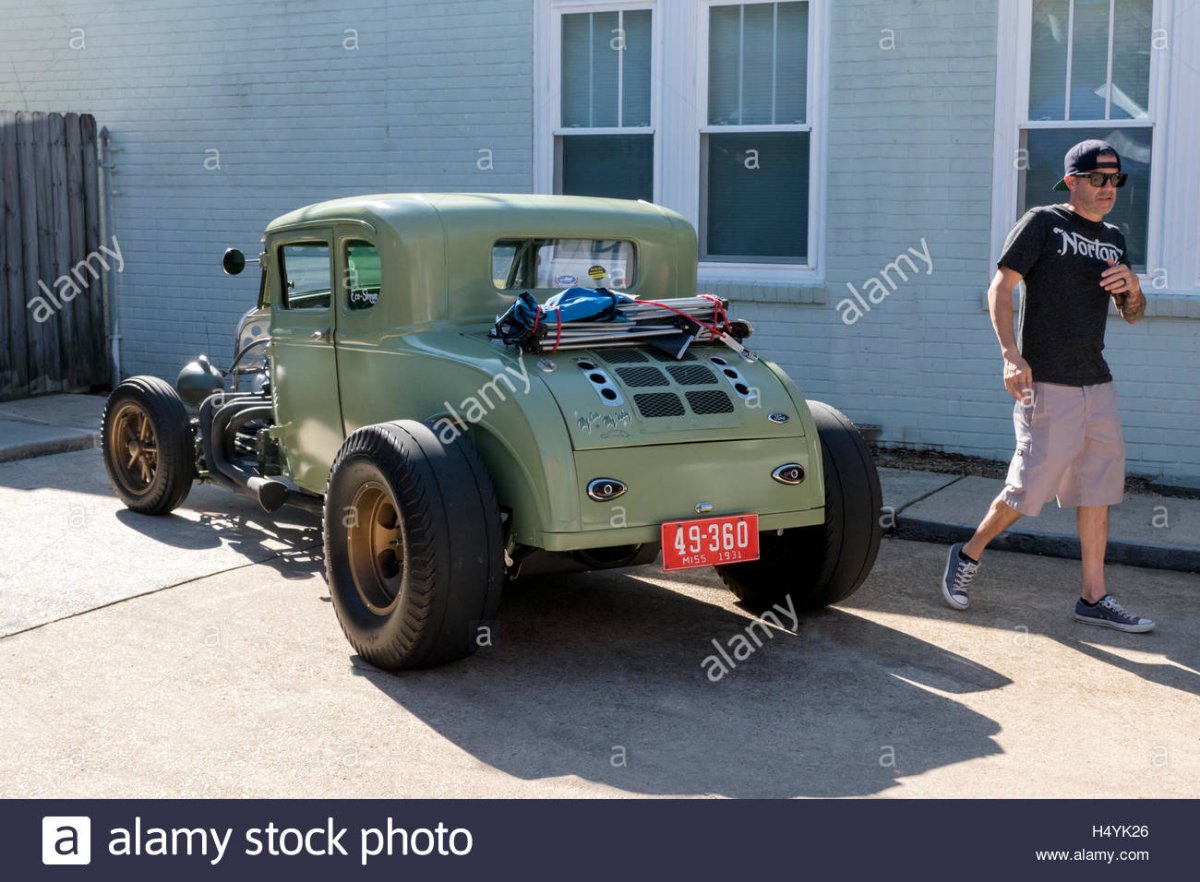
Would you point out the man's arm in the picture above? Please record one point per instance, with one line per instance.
(1122, 283)
(1018, 377)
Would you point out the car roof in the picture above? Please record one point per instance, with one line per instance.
(511, 212)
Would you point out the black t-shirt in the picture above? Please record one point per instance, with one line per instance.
(1064, 311)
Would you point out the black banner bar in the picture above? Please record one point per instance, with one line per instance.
(603, 839)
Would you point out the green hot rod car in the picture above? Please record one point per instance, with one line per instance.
(450, 452)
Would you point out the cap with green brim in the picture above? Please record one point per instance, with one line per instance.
(1084, 157)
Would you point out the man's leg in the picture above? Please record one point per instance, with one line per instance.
(1092, 521)
(962, 560)
(1095, 605)
(999, 518)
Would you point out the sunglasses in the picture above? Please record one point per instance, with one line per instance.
(1099, 179)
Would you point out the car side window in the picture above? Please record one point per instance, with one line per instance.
(364, 276)
(304, 269)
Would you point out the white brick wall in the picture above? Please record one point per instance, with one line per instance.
(297, 118)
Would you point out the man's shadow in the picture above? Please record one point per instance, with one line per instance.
(603, 677)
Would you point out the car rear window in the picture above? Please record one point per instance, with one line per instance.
(561, 263)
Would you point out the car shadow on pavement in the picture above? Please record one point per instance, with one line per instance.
(279, 541)
(603, 677)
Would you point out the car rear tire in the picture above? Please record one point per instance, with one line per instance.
(414, 551)
(827, 563)
(148, 445)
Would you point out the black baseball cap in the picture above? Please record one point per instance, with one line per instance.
(1084, 157)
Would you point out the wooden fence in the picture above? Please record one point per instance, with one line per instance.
(52, 263)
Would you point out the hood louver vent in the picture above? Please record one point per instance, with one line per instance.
(670, 359)
(642, 376)
(658, 404)
(692, 375)
(709, 401)
(621, 356)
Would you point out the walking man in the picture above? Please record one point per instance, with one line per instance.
(1069, 441)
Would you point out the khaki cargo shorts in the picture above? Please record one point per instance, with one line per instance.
(1069, 446)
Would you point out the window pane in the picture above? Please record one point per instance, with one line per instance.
(561, 263)
(1089, 59)
(621, 166)
(1131, 59)
(757, 196)
(576, 70)
(363, 275)
(503, 256)
(1046, 148)
(605, 68)
(757, 64)
(1048, 60)
(791, 71)
(724, 62)
(636, 76)
(606, 61)
(305, 272)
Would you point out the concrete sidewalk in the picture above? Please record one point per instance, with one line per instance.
(49, 424)
(1162, 532)
(1149, 531)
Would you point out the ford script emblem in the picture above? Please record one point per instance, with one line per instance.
(777, 417)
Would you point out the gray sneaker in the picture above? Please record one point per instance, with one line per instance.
(1109, 614)
(956, 581)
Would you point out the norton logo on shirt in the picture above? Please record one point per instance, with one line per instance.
(1088, 247)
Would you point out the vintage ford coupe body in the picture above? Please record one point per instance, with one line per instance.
(368, 384)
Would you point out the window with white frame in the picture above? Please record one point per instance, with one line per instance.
(755, 143)
(1089, 77)
(604, 144)
(1121, 70)
(713, 108)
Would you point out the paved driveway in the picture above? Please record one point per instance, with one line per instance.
(198, 655)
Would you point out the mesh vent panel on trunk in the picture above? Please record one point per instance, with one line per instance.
(660, 404)
(621, 356)
(642, 376)
(709, 401)
(692, 375)
(670, 359)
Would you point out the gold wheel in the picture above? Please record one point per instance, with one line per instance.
(375, 547)
(133, 447)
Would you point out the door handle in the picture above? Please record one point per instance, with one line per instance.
(325, 335)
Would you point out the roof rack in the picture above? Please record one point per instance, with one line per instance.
(670, 325)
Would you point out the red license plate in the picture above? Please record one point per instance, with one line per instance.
(706, 542)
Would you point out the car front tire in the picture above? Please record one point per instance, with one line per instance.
(148, 445)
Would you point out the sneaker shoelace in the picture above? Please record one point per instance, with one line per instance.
(964, 574)
(1111, 604)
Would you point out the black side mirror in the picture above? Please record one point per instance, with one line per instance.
(233, 262)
